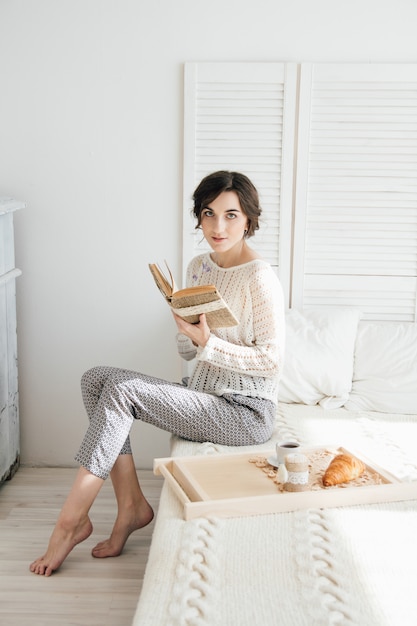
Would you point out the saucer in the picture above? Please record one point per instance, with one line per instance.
(272, 460)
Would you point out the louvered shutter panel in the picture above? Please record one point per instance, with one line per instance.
(355, 239)
(240, 117)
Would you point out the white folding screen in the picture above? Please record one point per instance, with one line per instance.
(241, 117)
(340, 224)
(355, 237)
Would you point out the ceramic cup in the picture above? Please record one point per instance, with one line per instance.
(283, 448)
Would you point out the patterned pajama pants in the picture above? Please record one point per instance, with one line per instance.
(114, 397)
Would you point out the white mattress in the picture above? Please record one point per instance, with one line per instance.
(353, 565)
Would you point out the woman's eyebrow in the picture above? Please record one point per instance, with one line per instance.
(226, 210)
(232, 209)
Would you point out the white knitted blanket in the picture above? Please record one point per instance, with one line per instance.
(348, 566)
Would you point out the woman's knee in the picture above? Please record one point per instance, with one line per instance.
(94, 375)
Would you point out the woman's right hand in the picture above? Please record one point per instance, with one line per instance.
(198, 333)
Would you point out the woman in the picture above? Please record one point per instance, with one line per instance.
(230, 397)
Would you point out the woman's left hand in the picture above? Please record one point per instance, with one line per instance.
(198, 333)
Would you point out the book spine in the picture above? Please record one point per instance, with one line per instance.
(197, 309)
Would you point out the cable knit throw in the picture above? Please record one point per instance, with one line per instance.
(348, 566)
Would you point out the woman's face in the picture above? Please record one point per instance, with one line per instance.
(223, 222)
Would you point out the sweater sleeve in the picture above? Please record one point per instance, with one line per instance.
(262, 352)
(186, 348)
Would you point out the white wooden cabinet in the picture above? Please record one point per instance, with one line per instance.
(9, 407)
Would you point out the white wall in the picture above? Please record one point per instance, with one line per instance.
(91, 140)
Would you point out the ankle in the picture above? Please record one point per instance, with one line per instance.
(70, 523)
(132, 505)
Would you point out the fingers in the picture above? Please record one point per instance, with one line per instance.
(198, 333)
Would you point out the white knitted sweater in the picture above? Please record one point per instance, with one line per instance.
(246, 359)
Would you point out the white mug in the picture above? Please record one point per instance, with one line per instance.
(283, 448)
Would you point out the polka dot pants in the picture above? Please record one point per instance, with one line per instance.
(114, 397)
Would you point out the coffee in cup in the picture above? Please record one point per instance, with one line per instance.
(283, 448)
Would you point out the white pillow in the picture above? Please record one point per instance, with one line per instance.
(318, 366)
(385, 368)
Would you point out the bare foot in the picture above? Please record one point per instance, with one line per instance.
(62, 541)
(125, 524)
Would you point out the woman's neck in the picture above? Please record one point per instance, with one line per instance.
(236, 256)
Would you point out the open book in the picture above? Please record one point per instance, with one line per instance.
(191, 302)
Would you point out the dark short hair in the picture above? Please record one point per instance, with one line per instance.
(214, 184)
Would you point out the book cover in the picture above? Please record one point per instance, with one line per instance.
(190, 302)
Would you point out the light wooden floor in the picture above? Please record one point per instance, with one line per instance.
(84, 591)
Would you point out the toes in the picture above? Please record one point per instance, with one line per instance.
(36, 567)
(41, 569)
(100, 551)
(99, 547)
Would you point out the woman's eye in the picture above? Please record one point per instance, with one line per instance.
(207, 213)
(231, 216)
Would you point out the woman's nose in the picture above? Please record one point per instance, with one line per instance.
(218, 224)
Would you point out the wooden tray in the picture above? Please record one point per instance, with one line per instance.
(231, 486)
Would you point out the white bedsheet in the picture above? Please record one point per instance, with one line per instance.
(347, 566)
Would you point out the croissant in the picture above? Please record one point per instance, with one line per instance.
(341, 469)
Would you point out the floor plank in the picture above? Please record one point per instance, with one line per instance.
(84, 591)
